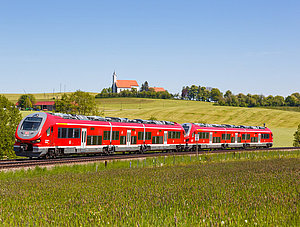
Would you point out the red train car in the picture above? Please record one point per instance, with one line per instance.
(226, 136)
(51, 135)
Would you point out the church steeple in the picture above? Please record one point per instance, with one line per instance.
(114, 87)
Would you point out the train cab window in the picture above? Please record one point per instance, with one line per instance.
(48, 132)
(31, 123)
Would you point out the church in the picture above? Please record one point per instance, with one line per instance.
(121, 85)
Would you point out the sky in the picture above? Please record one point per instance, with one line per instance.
(250, 46)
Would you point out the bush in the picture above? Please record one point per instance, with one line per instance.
(9, 119)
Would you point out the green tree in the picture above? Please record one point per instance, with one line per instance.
(145, 86)
(10, 117)
(216, 95)
(26, 101)
(297, 137)
(79, 102)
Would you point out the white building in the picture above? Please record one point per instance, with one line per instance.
(121, 85)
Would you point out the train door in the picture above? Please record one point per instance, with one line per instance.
(83, 138)
(236, 137)
(259, 137)
(128, 138)
(210, 137)
(165, 137)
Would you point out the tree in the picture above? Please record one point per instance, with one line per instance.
(145, 86)
(26, 101)
(79, 102)
(10, 117)
(216, 95)
(297, 137)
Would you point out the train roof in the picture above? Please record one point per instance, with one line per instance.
(111, 119)
(228, 126)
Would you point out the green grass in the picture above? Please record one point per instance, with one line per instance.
(211, 190)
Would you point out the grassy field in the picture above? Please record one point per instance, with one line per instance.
(247, 189)
(39, 96)
(282, 122)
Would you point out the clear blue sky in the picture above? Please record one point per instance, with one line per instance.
(246, 46)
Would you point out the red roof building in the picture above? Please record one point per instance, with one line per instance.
(44, 105)
(121, 85)
(157, 89)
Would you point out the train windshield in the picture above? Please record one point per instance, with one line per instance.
(31, 123)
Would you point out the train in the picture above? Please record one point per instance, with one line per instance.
(50, 135)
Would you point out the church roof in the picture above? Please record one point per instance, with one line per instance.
(157, 89)
(126, 83)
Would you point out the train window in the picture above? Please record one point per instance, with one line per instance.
(216, 139)
(157, 139)
(243, 137)
(232, 139)
(223, 136)
(254, 139)
(92, 129)
(106, 135)
(51, 129)
(173, 135)
(141, 136)
(64, 132)
(115, 135)
(133, 139)
(122, 139)
(89, 140)
(248, 136)
(48, 132)
(76, 133)
(148, 135)
(239, 140)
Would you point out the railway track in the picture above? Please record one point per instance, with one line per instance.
(27, 163)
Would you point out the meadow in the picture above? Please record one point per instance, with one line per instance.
(244, 189)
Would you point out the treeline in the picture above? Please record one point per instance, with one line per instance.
(229, 99)
(107, 93)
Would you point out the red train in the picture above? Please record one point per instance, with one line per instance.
(51, 135)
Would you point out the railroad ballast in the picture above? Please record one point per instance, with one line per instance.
(55, 134)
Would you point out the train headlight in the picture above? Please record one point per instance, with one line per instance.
(36, 141)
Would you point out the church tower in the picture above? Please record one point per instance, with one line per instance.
(114, 81)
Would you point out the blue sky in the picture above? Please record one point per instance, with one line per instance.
(246, 46)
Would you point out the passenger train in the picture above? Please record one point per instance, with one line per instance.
(50, 135)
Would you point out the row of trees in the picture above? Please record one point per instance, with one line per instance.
(150, 93)
(229, 99)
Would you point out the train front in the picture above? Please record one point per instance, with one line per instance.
(28, 136)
